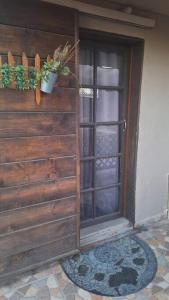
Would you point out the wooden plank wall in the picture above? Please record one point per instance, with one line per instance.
(38, 145)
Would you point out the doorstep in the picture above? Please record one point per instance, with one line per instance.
(97, 233)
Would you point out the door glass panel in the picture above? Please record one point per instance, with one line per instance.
(108, 68)
(107, 140)
(107, 171)
(107, 106)
(86, 145)
(86, 66)
(86, 105)
(86, 206)
(86, 173)
(107, 201)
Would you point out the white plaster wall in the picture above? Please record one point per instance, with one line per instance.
(153, 144)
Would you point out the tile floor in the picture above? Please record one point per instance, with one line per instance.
(52, 284)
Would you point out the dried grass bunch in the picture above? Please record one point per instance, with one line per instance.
(58, 64)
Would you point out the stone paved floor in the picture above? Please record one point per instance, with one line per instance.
(52, 284)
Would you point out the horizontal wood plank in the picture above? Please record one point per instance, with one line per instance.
(37, 15)
(33, 124)
(67, 81)
(31, 60)
(61, 100)
(33, 257)
(16, 174)
(37, 214)
(34, 237)
(16, 197)
(19, 149)
(30, 41)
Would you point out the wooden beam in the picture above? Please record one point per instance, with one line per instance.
(114, 15)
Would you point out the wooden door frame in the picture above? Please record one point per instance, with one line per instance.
(134, 90)
(135, 78)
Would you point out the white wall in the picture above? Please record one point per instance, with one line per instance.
(153, 146)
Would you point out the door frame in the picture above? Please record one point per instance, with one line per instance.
(134, 90)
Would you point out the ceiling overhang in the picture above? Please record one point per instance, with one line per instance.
(156, 6)
(113, 15)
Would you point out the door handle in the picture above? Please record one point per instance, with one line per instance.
(124, 125)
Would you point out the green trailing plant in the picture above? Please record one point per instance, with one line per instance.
(34, 78)
(58, 64)
(25, 79)
(24, 82)
(6, 75)
(20, 77)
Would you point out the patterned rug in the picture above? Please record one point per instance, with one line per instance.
(117, 268)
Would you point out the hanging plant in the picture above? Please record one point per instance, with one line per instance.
(56, 66)
(6, 75)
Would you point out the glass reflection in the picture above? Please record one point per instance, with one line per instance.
(107, 106)
(86, 105)
(107, 202)
(107, 171)
(86, 207)
(107, 140)
(108, 69)
(86, 66)
(86, 144)
(86, 174)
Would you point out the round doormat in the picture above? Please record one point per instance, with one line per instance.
(117, 268)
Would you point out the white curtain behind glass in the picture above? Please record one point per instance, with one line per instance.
(107, 137)
(108, 69)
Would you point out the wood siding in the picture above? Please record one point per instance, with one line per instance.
(39, 214)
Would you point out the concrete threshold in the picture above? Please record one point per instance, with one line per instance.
(104, 231)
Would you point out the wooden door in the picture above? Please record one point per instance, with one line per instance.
(103, 113)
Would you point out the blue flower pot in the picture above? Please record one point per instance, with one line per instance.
(47, 86)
